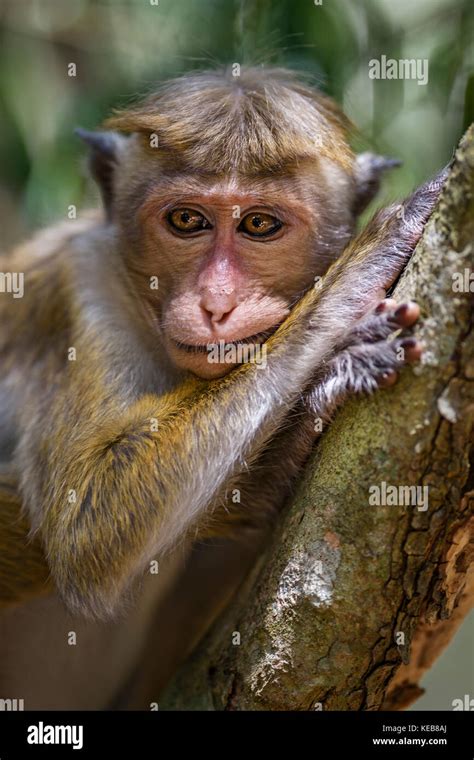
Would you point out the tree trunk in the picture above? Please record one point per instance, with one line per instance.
(353, 600)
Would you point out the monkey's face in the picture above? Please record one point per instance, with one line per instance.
(230, 262)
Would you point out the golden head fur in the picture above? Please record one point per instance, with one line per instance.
(259, 121)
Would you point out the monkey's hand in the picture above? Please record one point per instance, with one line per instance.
(370, 356)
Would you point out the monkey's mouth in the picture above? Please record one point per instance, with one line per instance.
(205, 348)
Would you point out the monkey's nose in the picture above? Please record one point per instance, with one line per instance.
(217, 314)
(217, 305)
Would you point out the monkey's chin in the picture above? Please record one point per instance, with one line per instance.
(198, 364)
(212, 371)
(212, 360)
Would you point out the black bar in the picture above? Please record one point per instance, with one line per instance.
(157, 734)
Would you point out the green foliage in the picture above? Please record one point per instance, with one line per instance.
(122, 47)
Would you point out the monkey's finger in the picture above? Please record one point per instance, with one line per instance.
(386, 305)
(412, 351)
(406, 314)
(412, 348)
(387, 317)
(388, 379)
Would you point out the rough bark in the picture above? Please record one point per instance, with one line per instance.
(353, 602)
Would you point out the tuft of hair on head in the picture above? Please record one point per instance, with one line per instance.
(263, 120)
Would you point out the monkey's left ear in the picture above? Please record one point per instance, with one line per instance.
(368, 172)
(105, 149)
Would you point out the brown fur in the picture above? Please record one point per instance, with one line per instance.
(24, 572)
(256, 123)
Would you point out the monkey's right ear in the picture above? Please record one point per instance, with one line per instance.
(105, 148)
(368, 171)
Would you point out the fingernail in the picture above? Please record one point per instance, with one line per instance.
(402, 310)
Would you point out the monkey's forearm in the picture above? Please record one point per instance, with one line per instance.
(252, 498)
(114, 497)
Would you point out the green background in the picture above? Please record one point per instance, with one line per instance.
(121, 47)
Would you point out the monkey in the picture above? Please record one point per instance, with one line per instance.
(229, 213)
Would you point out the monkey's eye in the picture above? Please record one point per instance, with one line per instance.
(187, 220)
(259, 224)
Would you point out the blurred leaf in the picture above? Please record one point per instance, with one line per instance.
(469, 103)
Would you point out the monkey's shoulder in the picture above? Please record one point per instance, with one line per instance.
(50, 242)
(35, 287)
